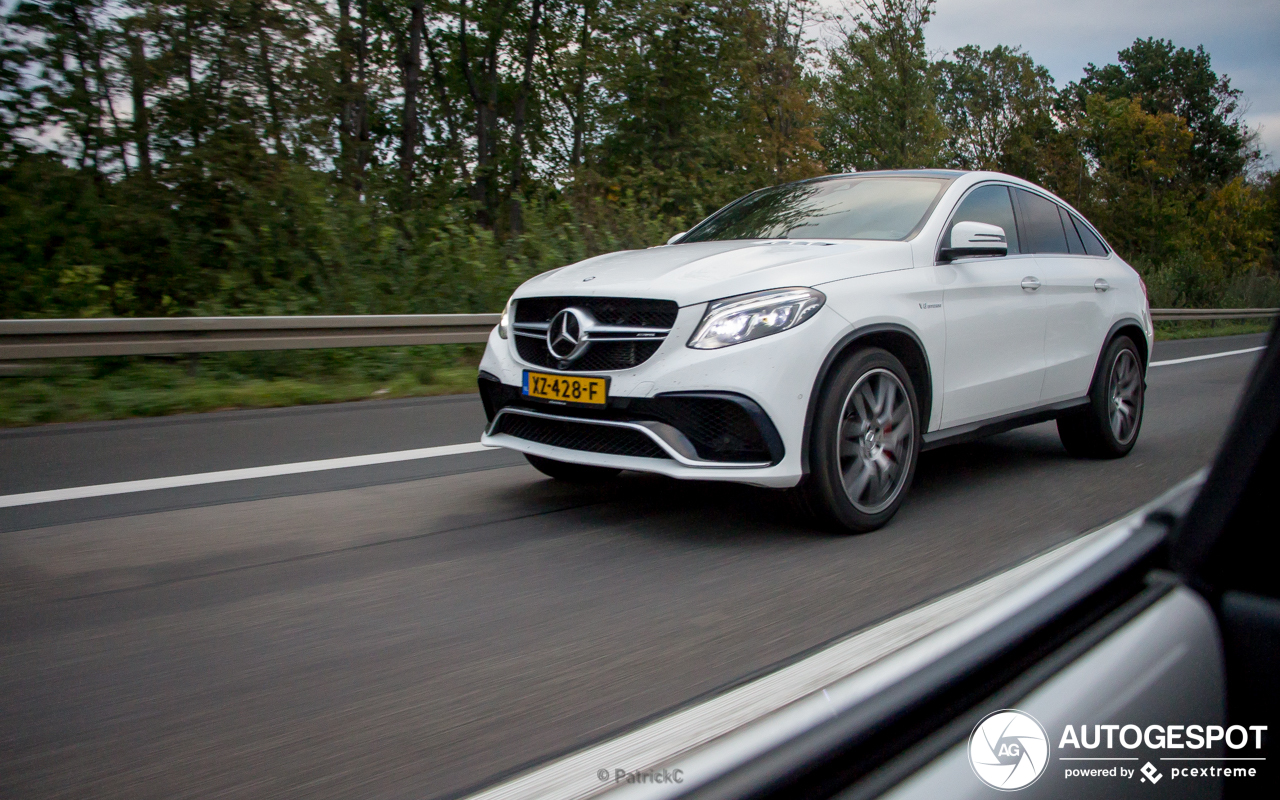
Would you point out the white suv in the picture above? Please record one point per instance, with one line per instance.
(820, 334)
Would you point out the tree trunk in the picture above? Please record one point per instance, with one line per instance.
(580, 86)
(482, 190)
(517, 126)
(138, 89)
(269, 80)
(346, 97)
(361, 120)
(104, 91)
(477, 188)
(194, 108)
(411, 69)
(90, 129)
(353, 117)
(446, 108)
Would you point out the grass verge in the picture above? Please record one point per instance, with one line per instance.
(104, 389)
(1197, 329)
(120, 388)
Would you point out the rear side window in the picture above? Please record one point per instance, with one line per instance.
(989, 204)
(1092, 244)
(1041, 226)
(1073, 239)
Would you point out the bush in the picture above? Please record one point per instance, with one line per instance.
(1257, 289)
(1189, 281)
(1184, 281)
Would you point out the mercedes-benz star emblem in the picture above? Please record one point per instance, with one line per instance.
(567, 337)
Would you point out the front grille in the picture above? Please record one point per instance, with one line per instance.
(609, 310)
(532, 314)
(580, 436)
(601, 357)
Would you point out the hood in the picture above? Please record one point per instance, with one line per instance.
(703, 271)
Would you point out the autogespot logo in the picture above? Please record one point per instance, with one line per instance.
(1008, 750)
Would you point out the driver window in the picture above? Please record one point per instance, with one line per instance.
(989, 204)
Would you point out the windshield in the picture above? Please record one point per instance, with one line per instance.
(839, 208)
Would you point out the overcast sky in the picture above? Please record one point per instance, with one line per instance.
(1241, 36)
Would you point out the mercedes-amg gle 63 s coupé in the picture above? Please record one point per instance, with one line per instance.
(820, 334)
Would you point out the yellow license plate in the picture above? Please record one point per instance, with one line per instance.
(565, 388)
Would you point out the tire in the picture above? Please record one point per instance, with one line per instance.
(572, 473)
(1108, 427)
(864, 445)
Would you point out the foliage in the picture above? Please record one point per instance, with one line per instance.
(997, 106)
(1176, 80)
(1136, 187)
(162, 157)
(881, 93)
(1271, 194)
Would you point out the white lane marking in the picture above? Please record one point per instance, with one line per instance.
(1202, 358)
(223, 476)
(794, 696)
(248, 473)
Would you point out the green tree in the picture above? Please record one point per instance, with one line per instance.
(1179, 81)
(881, 91)
(1271, 187)
(997, 106)
(1233, 227)
(1167, 159)
(1137, 193)
(778, 135)
(668, 103)
(288, 156)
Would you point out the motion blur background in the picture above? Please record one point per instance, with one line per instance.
(413, 628)
(217, 157)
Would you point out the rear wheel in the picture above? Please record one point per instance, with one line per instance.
(572, 473)
(1108, 427)
(865, 443)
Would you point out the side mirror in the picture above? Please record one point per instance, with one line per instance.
(975, 239)
(676, 239)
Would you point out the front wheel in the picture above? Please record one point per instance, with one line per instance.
(865, 443)
(1108, 426)
(571, 473)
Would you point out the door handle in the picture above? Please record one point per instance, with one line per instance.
(1101, 285)
(1030, 283)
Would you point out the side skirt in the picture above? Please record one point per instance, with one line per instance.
(978, 430)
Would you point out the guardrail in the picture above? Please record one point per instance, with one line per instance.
(80, 338)
(1169, 314)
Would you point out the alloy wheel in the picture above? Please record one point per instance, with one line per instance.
(1125, 396)
(875, 440)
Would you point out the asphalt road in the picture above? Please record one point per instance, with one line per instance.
(417, 629)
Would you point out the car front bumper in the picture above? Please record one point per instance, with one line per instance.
(773, 375)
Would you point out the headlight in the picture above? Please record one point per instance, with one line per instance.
(504, 324)
(751, 316)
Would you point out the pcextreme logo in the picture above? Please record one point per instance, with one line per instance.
(1008, 750)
